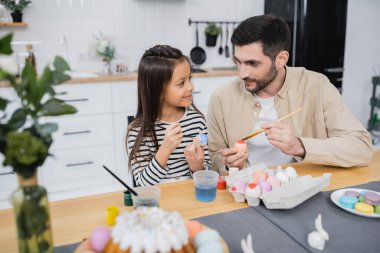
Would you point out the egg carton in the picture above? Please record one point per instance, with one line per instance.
(295, 192)
(287, 196)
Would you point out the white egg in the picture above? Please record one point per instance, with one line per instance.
(206, 236)
(283, 177)
(233, 171)
(214, 247)
(291, 172)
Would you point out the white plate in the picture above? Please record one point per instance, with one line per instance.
(338, 193)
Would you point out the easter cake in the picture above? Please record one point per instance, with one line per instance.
(151, 229)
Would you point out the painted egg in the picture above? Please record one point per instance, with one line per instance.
(233, 171)
(193, 227)
(99, 238)
(291, 172)
(283, 177)
(259, 175)
(205, 237)
(241, 146)
(214, 247)
(265, 187)
(238, 185)
(203, 139)
(272, 180)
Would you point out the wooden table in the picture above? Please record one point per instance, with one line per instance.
(74, 219)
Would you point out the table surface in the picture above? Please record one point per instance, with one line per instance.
(74, 219)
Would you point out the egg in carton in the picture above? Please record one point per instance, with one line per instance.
(278, 188)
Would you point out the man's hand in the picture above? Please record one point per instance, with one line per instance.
(234, 159)
(194, 155)
(281, 136)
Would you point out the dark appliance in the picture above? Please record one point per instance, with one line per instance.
(318, 29)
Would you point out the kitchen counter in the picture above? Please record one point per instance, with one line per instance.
(133, 76)
(100, 78)
(74, 219)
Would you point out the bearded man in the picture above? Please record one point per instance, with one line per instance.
(324, 132)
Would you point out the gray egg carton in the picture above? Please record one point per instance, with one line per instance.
(295, 192)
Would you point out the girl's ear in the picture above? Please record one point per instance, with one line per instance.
(282, 58)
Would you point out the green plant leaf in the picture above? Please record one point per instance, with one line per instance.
(45, 130)
(60, 64)
(46, 80)
(29, 83)
(43, 246)
(59, 77)
(56, 107)
(3, 103)
(18, 119)
(5, 44)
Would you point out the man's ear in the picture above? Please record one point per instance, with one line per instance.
(282, 58)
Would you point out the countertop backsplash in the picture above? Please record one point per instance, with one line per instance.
(67, 28)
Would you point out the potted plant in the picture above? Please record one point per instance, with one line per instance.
(212, 32)
(25, 142)
(16, 7)
(106, 49)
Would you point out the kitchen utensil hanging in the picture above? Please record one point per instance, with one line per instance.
(233, 47)
(226, 49)
(197, 54)
(220, 50)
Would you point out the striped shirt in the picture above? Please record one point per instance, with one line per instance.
(145, 168)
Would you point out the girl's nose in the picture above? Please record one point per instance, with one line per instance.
(190, 85)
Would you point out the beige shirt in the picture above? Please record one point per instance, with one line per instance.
(329, 132)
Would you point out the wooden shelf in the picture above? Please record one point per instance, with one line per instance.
(23, 24)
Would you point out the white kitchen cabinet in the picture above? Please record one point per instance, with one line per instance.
(93, 137)
(82, 131)
(124, 104)
(78, 168)
(124, 96)
(204, 87)
(89, 98)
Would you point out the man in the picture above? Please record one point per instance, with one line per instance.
(324, 132)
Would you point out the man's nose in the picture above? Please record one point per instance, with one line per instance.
(243, 71)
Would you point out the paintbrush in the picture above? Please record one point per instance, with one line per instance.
(262, 130)
(121, 181)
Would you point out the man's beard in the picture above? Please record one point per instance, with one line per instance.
(263, 83)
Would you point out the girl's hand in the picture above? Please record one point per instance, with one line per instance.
(172, 138)
(194, 155)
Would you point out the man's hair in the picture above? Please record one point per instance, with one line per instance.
(271, 31)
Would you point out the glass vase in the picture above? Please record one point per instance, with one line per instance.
(107, 68)
(31, 209)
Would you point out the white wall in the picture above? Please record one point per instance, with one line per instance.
(135, 25)
(362, 53)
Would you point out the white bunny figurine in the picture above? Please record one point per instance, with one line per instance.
(316, 239)
(246, 245)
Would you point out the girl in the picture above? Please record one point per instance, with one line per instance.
(161, 141)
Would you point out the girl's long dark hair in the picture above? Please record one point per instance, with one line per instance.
(154, 74)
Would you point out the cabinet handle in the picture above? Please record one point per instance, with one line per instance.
(197, 92)
(78, 132)
(79, 164)
(76, 100)
(7, 173)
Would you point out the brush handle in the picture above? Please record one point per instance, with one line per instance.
(279, 120)
(121, 181)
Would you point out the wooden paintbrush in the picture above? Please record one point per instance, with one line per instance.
(262, 130)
